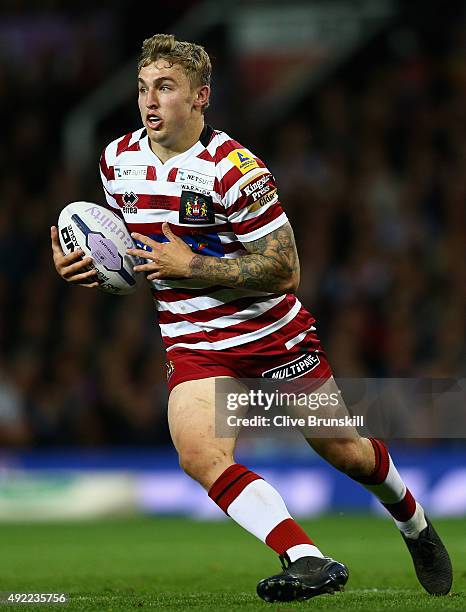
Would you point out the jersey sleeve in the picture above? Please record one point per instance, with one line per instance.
(252, 203)
(106, 176)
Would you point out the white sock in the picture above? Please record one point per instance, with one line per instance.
(259, 508)
(303, 550)
(413, 527)
(255, 505)
(386, 484)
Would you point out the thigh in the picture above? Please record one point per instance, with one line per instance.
(192, 411)
(188, 366)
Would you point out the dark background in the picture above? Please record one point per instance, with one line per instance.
(370, 165)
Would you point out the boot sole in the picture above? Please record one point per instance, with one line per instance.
(291, 588)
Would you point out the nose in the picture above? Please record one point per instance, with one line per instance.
(151, 99)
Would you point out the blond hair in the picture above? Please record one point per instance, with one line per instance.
(191, 57)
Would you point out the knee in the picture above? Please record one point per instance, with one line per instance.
(348, 456)
(204, 465)
(192, 461)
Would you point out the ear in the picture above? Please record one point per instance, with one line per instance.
(202, 96)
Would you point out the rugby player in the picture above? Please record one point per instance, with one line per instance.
(222, 263)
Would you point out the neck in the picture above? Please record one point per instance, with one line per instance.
(166, 151)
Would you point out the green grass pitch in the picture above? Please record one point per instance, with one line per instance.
(177, 564)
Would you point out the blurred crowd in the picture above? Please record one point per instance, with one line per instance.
(371, 173)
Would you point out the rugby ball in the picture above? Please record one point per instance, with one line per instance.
(102, 235)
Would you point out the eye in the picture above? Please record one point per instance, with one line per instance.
(164, 88)
(142, 90)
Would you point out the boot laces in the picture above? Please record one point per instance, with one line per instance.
(284, 560)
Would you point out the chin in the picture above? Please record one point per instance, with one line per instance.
(156, 135)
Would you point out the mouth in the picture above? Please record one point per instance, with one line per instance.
(153, 121)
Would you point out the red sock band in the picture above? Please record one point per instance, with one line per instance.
(404, 509)
(230, 483)
(285, 535)
(382, 464)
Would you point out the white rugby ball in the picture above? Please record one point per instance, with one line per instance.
(102, 235)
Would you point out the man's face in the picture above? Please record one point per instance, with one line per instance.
(165, 102)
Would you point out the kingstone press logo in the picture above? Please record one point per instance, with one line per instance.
(261, 190)
(257, 187)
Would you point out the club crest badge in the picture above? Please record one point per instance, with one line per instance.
(196, 208)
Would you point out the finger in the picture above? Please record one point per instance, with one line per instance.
(167, 230)
(154, 276)
(58, 251)
(147, 267)
(77, 268)
(61, 260)
(56, 248)
(74, 256)
(88, 285)
(145, 240)
(142, 254)
(89, 276)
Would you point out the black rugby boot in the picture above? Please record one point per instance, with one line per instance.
(431, 561)
(304, 578)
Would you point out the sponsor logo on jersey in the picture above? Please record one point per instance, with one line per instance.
(191, 177)
(294, 369)
(130, 200)
(243, 160)
(254, 186)
(196, 208)
(130, 173)
(271, 196)
(260, 189)
(159, 201)
(195, 189)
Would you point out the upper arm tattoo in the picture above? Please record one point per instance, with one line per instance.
(271, 262)
(279, 245)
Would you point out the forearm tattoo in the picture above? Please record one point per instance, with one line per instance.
(270, 266)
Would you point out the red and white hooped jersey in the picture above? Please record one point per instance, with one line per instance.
(216, 196)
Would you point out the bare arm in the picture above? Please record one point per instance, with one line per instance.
(272, 265)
